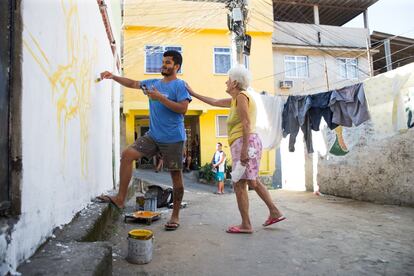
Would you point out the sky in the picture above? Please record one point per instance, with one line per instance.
(389, 16)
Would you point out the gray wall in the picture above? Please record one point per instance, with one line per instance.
(330, 36)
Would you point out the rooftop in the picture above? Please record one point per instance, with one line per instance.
(331, 12)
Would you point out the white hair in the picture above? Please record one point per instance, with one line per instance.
(241, 75)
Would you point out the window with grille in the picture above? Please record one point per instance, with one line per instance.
(348, 68)
(153, 57)
(296, 67)
(222, 60)
(221, 126)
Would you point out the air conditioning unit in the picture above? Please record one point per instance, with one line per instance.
(286, 84)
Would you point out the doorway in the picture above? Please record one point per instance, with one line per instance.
(6, 52)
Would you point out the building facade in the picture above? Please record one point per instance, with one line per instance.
(198, 29)
(313, 53)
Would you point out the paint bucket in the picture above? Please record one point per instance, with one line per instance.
(150, 204)
(140, 245)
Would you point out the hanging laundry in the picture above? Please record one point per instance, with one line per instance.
(390, 98)
(268, 118)
(349, 106)
(295, 114)
(319, 107)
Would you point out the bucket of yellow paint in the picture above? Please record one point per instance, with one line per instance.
(140, 245)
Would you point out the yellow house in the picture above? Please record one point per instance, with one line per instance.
(199, 31)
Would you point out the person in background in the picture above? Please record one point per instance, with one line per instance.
(218, 163)
(159, 162)
(186, 160)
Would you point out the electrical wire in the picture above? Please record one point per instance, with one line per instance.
(394, 37)
(396, 52)
(394, 62)
(303, 39)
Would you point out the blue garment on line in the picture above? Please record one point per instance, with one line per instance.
(319, 107)
(295, 114)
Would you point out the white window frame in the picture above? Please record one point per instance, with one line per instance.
(296, 66)
(180, 72)
(217, 125)
(348, 63)
(218, 53)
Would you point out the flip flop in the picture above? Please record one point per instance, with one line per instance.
(271, 221)
(107, 199)
(171, 226)
(237, 230)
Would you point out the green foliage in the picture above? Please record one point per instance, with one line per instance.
(206, 172)
(228, 171)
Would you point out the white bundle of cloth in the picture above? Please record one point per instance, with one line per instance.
(268, 118)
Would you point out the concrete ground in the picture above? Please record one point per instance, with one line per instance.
(323, 235)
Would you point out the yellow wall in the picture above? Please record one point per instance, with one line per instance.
(198, 62)
(209, 139)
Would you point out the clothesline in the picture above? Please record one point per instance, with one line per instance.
(388, 95)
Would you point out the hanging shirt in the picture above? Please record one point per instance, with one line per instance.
(349, 106)
(390, 98)
(167, 126)
(268, 119)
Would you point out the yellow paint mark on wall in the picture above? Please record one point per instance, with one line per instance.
(70, 81)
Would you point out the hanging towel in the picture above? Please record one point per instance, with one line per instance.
(390, 98)
(349, 105)
(268, 118)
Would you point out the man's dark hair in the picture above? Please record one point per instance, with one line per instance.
(219, 144)
(176, 56)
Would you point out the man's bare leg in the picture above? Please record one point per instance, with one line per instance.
(125, 174)
(178, 193)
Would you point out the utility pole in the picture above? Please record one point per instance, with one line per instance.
(387, 49)
(236, 21)
(368, 39)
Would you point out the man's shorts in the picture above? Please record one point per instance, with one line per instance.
(219, 176)
(171, 153)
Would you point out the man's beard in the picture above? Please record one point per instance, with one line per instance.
(166, 73)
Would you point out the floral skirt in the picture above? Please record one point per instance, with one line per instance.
(254, 153)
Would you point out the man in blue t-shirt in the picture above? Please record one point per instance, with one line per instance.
(168, 102)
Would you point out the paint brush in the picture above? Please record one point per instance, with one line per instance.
(98, 78)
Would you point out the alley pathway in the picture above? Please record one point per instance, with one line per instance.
(322, 236)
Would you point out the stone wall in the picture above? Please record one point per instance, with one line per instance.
(378, 171)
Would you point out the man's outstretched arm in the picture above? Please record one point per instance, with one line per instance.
(121, 80)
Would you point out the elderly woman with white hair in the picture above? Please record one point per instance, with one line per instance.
(245, 146)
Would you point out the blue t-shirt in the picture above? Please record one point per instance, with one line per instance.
(167, 126)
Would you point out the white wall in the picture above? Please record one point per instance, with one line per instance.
(67, 119)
